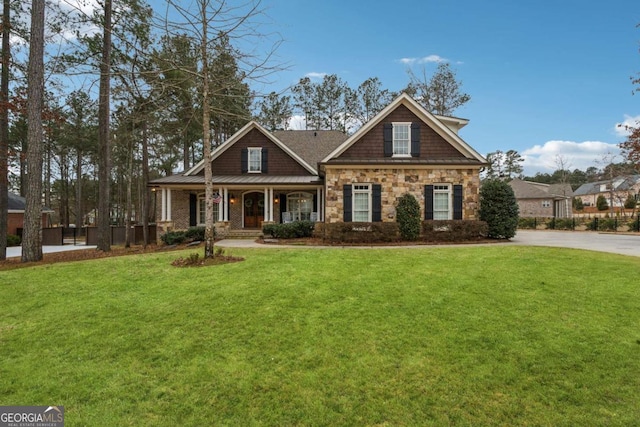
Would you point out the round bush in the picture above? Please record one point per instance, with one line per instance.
(499, 209)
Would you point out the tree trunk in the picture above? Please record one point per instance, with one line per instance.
(32, 233)
(4, 130)
(104, 160)
(206, 141)
(145, 190)
(79, 220)
(127, 219)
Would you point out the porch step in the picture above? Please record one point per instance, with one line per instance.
(243, 234)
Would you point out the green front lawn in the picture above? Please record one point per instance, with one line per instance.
(486, 335)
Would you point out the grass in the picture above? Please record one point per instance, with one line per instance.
(436, 336)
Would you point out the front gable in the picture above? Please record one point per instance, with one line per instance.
(254, 151)
(376, 143)
(428, 139)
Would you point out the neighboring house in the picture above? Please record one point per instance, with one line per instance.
(265, 177)
(615, 191)
(15, 217)
(543, 200)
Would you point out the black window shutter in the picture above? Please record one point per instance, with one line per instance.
(428, 202)
(283, 202)
(457, 202)
(415, 139)
(193, 210)
(376, 201)
(387, 133)
(346, 190)
(264, 160)
(244, 160)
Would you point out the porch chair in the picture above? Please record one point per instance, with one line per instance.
(313, 217)
(286, 217)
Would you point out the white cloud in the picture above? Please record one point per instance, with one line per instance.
(577, 155)
(424, 60)
(432, 58)
(620, 129)
(315, 75)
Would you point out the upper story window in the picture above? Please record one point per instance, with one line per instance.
(255, 160)
(401, 139)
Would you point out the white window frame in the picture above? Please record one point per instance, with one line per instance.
(359, 191)
(201, 210)
(254, 165)
(300, 211)
(546, 203)
(403, 150)
(439, 190)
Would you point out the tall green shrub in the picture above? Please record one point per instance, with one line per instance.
(408, 217)
(499, 209)
(601, 203)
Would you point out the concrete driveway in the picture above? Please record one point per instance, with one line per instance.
(617, 243)
(16, 251)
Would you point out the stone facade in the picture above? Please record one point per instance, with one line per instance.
(395, 183)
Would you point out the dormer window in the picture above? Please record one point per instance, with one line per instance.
(255, 160)
(401, 139)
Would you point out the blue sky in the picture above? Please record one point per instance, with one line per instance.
(546, 78)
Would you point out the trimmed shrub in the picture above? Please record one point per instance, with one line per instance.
(453, 231)
(499, 209)
(527, 223)
(174, 237)
(601, 203)
(196, 233)
(563, 224)
(630, 203)
(408, 217)
(13, 240)
(608, 224)
(291, 230)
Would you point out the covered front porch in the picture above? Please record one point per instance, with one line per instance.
(239, 207)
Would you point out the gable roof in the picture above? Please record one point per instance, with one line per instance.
(620, 183)
(311, 145)
(431, 120)
(241, 133)
(537, 190)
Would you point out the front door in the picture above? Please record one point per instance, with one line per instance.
(253, 210)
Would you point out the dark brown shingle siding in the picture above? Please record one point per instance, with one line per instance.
(432, 145)
(280, 163)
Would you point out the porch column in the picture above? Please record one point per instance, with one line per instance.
(271, 204)
(168, 204)
(163, 205)
(266, 204)
(225, 202)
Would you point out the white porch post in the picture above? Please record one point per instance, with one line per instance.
(168, 204)
(271, 204)
(225, 202)
(163, 205)
(266, 204)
